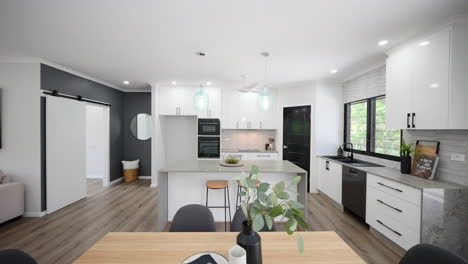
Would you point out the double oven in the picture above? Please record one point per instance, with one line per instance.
(209, 138)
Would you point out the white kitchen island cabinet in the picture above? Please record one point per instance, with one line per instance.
(183, 183)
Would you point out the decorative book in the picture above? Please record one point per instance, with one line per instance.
(425, 166)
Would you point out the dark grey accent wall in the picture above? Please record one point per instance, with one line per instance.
(135, 103)
(67, 83)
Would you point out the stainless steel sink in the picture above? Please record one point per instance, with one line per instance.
(353, 162)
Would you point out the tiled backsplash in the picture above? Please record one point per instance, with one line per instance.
(246, 139)
(451, 142)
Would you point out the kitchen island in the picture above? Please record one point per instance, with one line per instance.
(183, 182)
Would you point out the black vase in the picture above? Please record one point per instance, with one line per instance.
(251, 242)
(405, 164)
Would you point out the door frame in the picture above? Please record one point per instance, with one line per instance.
(311, 133)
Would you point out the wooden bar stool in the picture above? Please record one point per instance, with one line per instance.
(239, 189)
(217, 185)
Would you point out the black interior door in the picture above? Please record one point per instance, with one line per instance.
(296, 137)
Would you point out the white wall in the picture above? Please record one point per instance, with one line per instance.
(180, 137)
(20, 155)
(157, 149)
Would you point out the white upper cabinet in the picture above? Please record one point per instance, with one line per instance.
(426, 81)
(244, 111)
(176, 101)
(213, 108)
(181, 101)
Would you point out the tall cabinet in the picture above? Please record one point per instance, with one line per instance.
(427, 84)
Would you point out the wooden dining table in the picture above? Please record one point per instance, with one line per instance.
(168, 247)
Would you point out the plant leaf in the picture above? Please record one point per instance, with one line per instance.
(273, 199)
(283, 195)
(291, 226)
(262, 197)
(254, 170)
(275, 211)
(250, 183)
(279, 187)
(242, 193)
(297, 211)
(300, 243)
(269, 222)
(297, 179)
(295, 204)
(301, 222)
(245, 210)
(258, 223)
(263, 187)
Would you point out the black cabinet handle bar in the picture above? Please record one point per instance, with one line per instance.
(395, 189)
(394, 208)
(380, 222)
(407, 120)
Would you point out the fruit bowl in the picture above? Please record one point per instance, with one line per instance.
(232, 159)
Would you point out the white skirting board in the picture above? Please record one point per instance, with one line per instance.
(34, 214)
(116, 181)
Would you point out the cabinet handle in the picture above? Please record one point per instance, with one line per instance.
(327, 165)
(394, 208)
(412, 120)
(264, 156)
(407, 121)
(395, 189)
(380, 222)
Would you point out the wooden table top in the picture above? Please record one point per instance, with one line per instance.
(166, 247)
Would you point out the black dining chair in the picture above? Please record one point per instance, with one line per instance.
(193, 218)
(15, 256)
(239, 217)
(429, 254)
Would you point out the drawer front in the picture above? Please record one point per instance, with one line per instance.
(396, 189)
(264, 156)
(382, 204)
(394, 231)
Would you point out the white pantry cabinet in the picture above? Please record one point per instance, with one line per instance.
(330, 179)
(426, 81)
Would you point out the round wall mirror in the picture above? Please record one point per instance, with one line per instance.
(141, 126)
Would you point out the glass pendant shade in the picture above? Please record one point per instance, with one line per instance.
(201, 100)
(265, 100)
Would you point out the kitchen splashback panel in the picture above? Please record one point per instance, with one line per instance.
(246, 139)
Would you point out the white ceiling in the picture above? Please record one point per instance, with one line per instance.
(149, 41)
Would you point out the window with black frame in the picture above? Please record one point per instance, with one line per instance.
(365, 128)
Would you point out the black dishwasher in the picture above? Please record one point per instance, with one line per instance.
(354, 191)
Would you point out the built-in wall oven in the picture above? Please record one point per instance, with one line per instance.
(209, 147)
(209, 127)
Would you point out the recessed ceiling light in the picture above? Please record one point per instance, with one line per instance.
(333, 71)
(201, 53)
(126, 82)
(382, 42)
(173, 82)
(424, 43)
(208, 83)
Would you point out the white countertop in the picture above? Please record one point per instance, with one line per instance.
(396, 175)
(283, 166)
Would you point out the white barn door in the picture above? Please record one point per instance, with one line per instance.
(65, 152)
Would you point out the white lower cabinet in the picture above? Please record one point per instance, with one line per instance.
(330, 179)
(394, 209)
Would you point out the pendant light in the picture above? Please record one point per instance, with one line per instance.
(201, 99)
(265, 97)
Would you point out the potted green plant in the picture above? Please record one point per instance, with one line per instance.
(405, 157)
(261, 204)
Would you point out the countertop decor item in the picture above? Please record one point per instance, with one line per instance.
(405, 160)
(425, 159)
(206, 258)
(261, 205)
(237, 255)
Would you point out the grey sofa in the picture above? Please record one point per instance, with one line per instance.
(11, 199)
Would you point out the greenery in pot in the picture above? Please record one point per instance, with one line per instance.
(406, 149)
(262, 204)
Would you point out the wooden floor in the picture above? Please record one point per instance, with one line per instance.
(63, 236)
